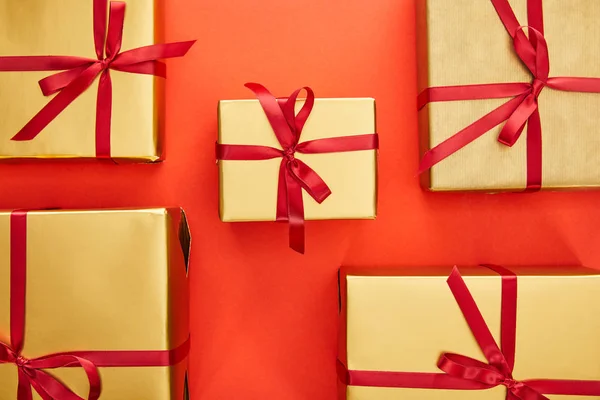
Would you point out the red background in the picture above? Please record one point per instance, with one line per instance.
(263, 317)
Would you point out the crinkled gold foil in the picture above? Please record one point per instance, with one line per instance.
(101, 280)
(403, 324)
(248, 189)
(42, 27)
(463, 42)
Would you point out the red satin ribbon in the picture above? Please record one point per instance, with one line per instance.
(81, 72)
(517, 112)
(31, 372)
(294, 175)
(466, 373)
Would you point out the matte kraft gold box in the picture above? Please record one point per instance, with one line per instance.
(248, 189)
(402, 320)
(50, 27)
(101, 281)
(463, 42)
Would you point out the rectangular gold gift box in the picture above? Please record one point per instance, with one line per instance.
(102, 280)
(47, 27)
(402, 320)
(462, 42)
(248, 189)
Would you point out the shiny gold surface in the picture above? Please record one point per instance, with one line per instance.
(464, 42)
(112, 280)
(42, 27)
(248, 189)
(404, 323)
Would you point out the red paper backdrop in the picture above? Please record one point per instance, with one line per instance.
(264, 317)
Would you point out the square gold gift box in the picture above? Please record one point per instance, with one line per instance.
(395, 325)
(248, 189)
(464, 42)
(67, 28)
(97, 281)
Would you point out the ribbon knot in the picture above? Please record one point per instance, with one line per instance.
(510, 383)
(105, 64)
(537, 86)
(21, 361)
(289, 154)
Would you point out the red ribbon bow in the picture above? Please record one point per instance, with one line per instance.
(31, 374)
(522, 109)
(31, 371)
(466, 373)
(81, 72)
(294, 175)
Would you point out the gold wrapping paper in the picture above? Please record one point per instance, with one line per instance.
(46, 27)
(463, 42)
(102, 280)
(404, 322)
(248, 189)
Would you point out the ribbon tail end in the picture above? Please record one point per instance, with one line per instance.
(188, 45)
(509, 143)
(23, 136)
(297, 246)
(320, 199)
(299, 250)
(297, 242)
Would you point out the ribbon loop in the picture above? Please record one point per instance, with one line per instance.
(100, 12)
(310, 181)
(275, 115)
(7, 354)
(297, 121)
(515, 124)
(533, 52)
(116, 22)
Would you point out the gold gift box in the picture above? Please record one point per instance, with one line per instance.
(463, 42)
(248, 189)
(43, 27)
(102, 280)
(403, 320)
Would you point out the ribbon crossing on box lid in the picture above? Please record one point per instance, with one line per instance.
(294, 174)
(522, 109)
(32, 373)
(78, 73)
(465, 373)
